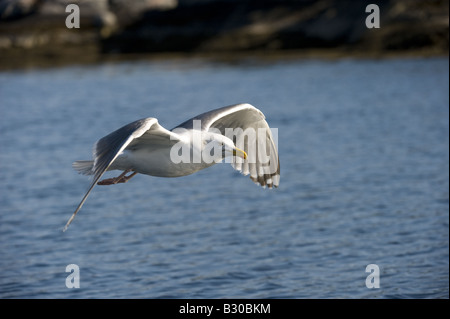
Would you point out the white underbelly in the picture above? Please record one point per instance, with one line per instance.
(155, 163)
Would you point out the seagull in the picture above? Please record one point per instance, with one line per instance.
(145, 147)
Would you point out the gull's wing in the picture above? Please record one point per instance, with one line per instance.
(131, 136)
(245, 116)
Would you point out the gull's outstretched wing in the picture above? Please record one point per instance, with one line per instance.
(247, 127)
(134, 135)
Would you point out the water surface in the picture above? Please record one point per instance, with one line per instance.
(364, 151)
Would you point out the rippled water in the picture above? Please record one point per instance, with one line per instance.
(364, 150)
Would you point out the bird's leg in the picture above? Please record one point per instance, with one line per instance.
(127, 178)
(122, 178)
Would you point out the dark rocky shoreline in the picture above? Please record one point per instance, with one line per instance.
(33, 32)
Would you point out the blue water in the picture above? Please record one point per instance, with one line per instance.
(364, 151)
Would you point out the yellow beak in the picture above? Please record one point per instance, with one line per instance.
(240, 153)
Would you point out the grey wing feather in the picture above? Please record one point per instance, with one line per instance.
(243, 116)
(108, 148)
(232, 112)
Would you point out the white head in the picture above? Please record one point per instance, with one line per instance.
(218, 146)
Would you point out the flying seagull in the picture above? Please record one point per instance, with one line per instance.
(146, 147)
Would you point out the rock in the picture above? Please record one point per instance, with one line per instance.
(128, 12)
(412, 26)
(17, 9)
(34, 30)
(227, 26)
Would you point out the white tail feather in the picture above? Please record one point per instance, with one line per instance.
(84, 167)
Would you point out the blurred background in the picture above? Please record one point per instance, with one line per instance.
(363, 135)
(33, 32)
